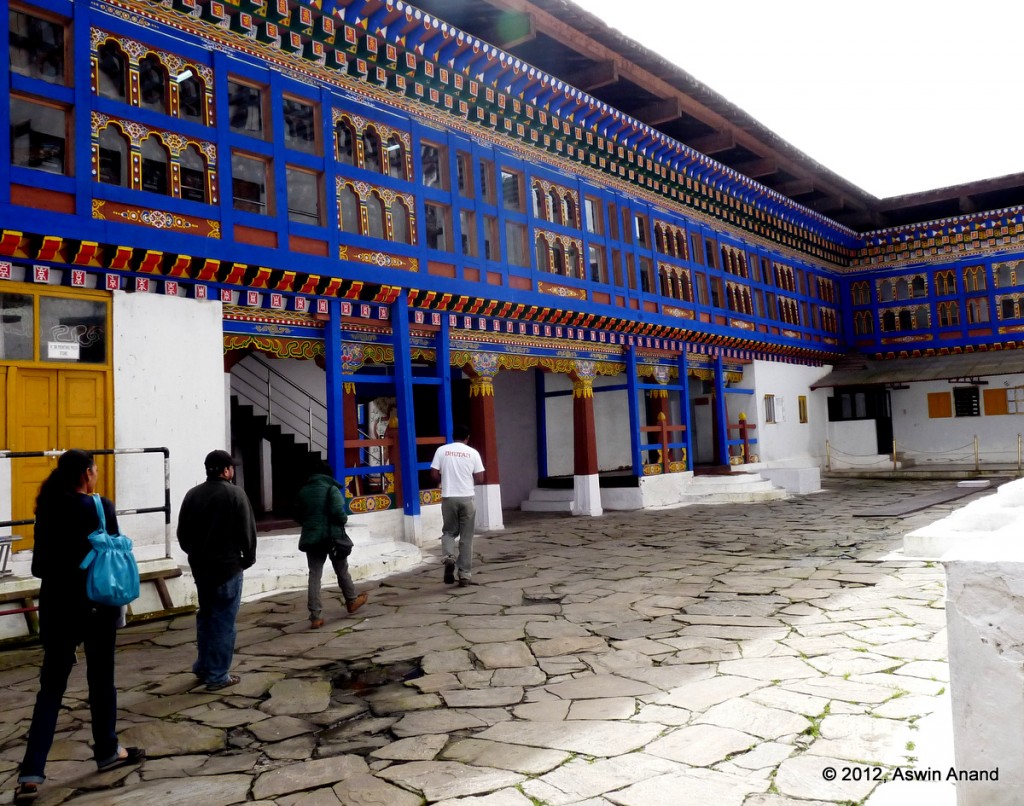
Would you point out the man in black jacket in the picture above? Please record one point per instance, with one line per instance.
(217, 529)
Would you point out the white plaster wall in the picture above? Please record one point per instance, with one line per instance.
(787, 440)
(853, 443)
(515, 406)
(611, 422)
(950, 439)
(169, 388)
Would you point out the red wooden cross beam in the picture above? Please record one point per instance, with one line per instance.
(744, 428)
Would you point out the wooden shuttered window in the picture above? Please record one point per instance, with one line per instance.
(995, 402)
(940, 404)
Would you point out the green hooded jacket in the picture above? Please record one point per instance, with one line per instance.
(321, 511)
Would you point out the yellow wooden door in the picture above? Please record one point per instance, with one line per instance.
(82, 420)
(49, 409)
(32, 426)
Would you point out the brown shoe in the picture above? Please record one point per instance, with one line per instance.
(352, 605)
(316, 623)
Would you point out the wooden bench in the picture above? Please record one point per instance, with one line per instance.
(6, 541)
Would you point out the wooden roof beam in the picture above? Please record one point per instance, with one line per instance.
(798, 187)
(756, 169)
(967, 204)
(862, 220)
(713, 143)
(510, 29)
(598, 75)
(830, 204)
(659, 112)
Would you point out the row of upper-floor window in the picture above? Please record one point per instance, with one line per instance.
(947, 314)
(944, 283)
(39, 136)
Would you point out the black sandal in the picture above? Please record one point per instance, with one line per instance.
(25, 793)
(133, 755)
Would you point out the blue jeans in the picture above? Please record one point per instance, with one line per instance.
(458, 520)
(316, 561)
(215, 629)
(64, 625)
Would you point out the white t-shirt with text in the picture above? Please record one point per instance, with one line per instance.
(457, 463)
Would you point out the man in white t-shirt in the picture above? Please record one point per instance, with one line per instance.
(457, 467)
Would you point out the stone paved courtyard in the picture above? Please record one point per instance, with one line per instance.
(708, 655)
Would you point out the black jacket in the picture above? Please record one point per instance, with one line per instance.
(217, 529)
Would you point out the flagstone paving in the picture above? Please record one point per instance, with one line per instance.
(699, 656)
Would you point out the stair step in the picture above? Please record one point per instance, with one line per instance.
(545, 494)
(546, 506)
(752, 497)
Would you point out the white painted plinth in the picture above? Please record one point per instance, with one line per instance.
(795, 480)
(586, 495)
(488, 507)
(999, 515)
(985, 620)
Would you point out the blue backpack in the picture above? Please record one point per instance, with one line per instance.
(113, 575)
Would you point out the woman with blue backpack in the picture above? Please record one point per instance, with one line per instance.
(67, 513)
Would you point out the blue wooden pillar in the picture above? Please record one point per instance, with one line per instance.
(404, 404)
(722, 432)
(684, 406)
(335, 389)
(632, 394)
(444, 374)
(542, 424)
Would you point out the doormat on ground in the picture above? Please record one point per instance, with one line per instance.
(903, 508)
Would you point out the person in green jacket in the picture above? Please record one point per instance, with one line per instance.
(321, 511)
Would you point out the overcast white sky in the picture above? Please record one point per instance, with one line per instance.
(896, 96)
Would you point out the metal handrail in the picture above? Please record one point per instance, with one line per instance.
(262, 398)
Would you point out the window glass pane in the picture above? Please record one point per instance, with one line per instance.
(487, 181)
(113, 157)
(371, 150)
(113, 70)
(249, 184)
(343, 134)
(16, 327)
(592, 211)
(36, 47)
(433, 166)
(436, 229)
(491, 249)
(154, 167)
(375, 216)
(349, 210)
(399, 222)
(152, 84)
(245, 109)
(190, 99)
(72, 330)
(193, 175)
(510, 191)
(467, 224)
(299, 126)
(303, 197)
(515, 244)
(396, 158)
(464, 166)
(38, 136)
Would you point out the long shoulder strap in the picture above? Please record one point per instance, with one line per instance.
(99, 511)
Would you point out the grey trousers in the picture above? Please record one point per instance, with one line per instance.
(458, 520)
(316, 564)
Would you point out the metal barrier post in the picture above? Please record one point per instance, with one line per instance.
(894, 468)
(1018, 454)
(828, 456)
(977, 457)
